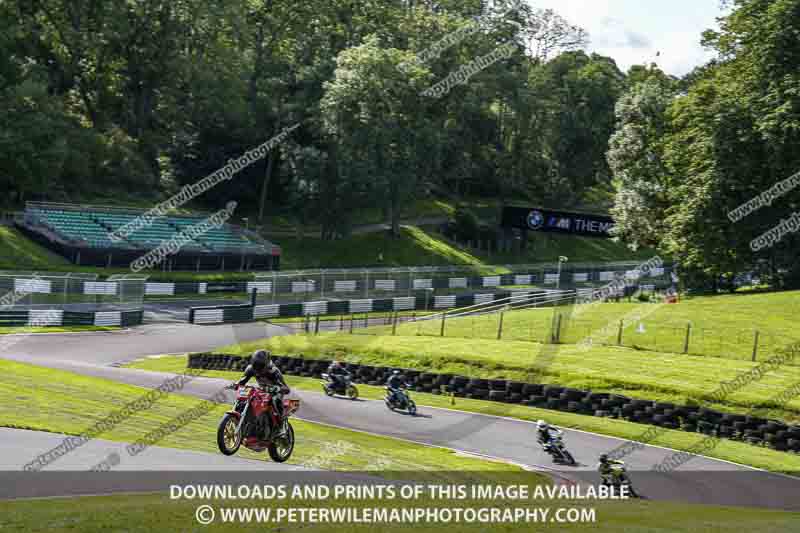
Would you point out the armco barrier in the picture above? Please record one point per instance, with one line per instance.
(58, 317)
(757, 431)
(228, 314)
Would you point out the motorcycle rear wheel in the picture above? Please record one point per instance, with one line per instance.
(281, 449)
(228, 439)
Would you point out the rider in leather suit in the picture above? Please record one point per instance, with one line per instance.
(267, 374)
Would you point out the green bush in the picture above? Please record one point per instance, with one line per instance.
(465, 224)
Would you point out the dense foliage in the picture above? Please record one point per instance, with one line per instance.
(684, 156)
(131, 99)
(136, 98)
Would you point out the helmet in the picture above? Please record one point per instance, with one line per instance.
(260, 360)
(541, 424)
(604, 458)
(395, 372)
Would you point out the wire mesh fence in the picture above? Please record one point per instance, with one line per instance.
(76, 291)
(428, 282)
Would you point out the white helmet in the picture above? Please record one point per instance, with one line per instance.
(541, 425)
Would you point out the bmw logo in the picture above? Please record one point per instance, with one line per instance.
(535, 219)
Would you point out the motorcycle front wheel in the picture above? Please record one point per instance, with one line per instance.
(568, 457)
(352, 392)
(281, 449)
(328, 390)
(228, 439)
(412, 407)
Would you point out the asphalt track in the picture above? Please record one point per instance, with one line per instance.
(709, 481)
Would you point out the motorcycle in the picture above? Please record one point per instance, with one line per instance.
(617, 478)
(558, 450)
(252, 422)
(343, 386)
(401, 400)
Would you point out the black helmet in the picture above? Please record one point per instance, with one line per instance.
(604, 458)
(260, 360)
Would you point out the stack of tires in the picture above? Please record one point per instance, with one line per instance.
(425, 382)
(552, 395)
(442, 382)
(459, 386)
(478, 389)
(572, 400)
(665, 415)
(514, 392)
(533, 395)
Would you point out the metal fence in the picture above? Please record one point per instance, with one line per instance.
(429, 282)
(301, 286)
(74, 291)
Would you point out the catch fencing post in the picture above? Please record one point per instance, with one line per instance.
(341, 322)
(352, 318)
(500, 326)
(688, 334)
(316, 326)
(394, 324)
(619, 333)
(444, 315)
(558, 329)
(755, 346)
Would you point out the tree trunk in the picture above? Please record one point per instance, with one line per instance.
(265, 185)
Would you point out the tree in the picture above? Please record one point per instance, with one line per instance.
(635, 156)
(376, 115)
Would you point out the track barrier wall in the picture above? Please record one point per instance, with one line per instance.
(228, 314)
(59, 317)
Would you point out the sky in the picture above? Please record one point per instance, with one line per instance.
(633, 31)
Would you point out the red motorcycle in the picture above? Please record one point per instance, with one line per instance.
(252, 422)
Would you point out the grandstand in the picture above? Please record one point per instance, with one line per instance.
(81, 234)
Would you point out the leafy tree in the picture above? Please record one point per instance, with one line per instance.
(636, 159)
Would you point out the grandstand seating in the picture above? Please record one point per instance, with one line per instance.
(94, 227)
(88, 227)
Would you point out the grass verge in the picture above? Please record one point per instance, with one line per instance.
(83, 401)
(156, 512)
(721, 326)
(642, 374)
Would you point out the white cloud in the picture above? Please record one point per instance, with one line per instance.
(633, 31)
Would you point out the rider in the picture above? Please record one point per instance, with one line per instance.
(268, 375)
(605, 465)
(545, 434)
(394, 384)
(337, 372)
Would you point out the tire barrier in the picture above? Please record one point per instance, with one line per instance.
(757, 431)
(59, 317)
